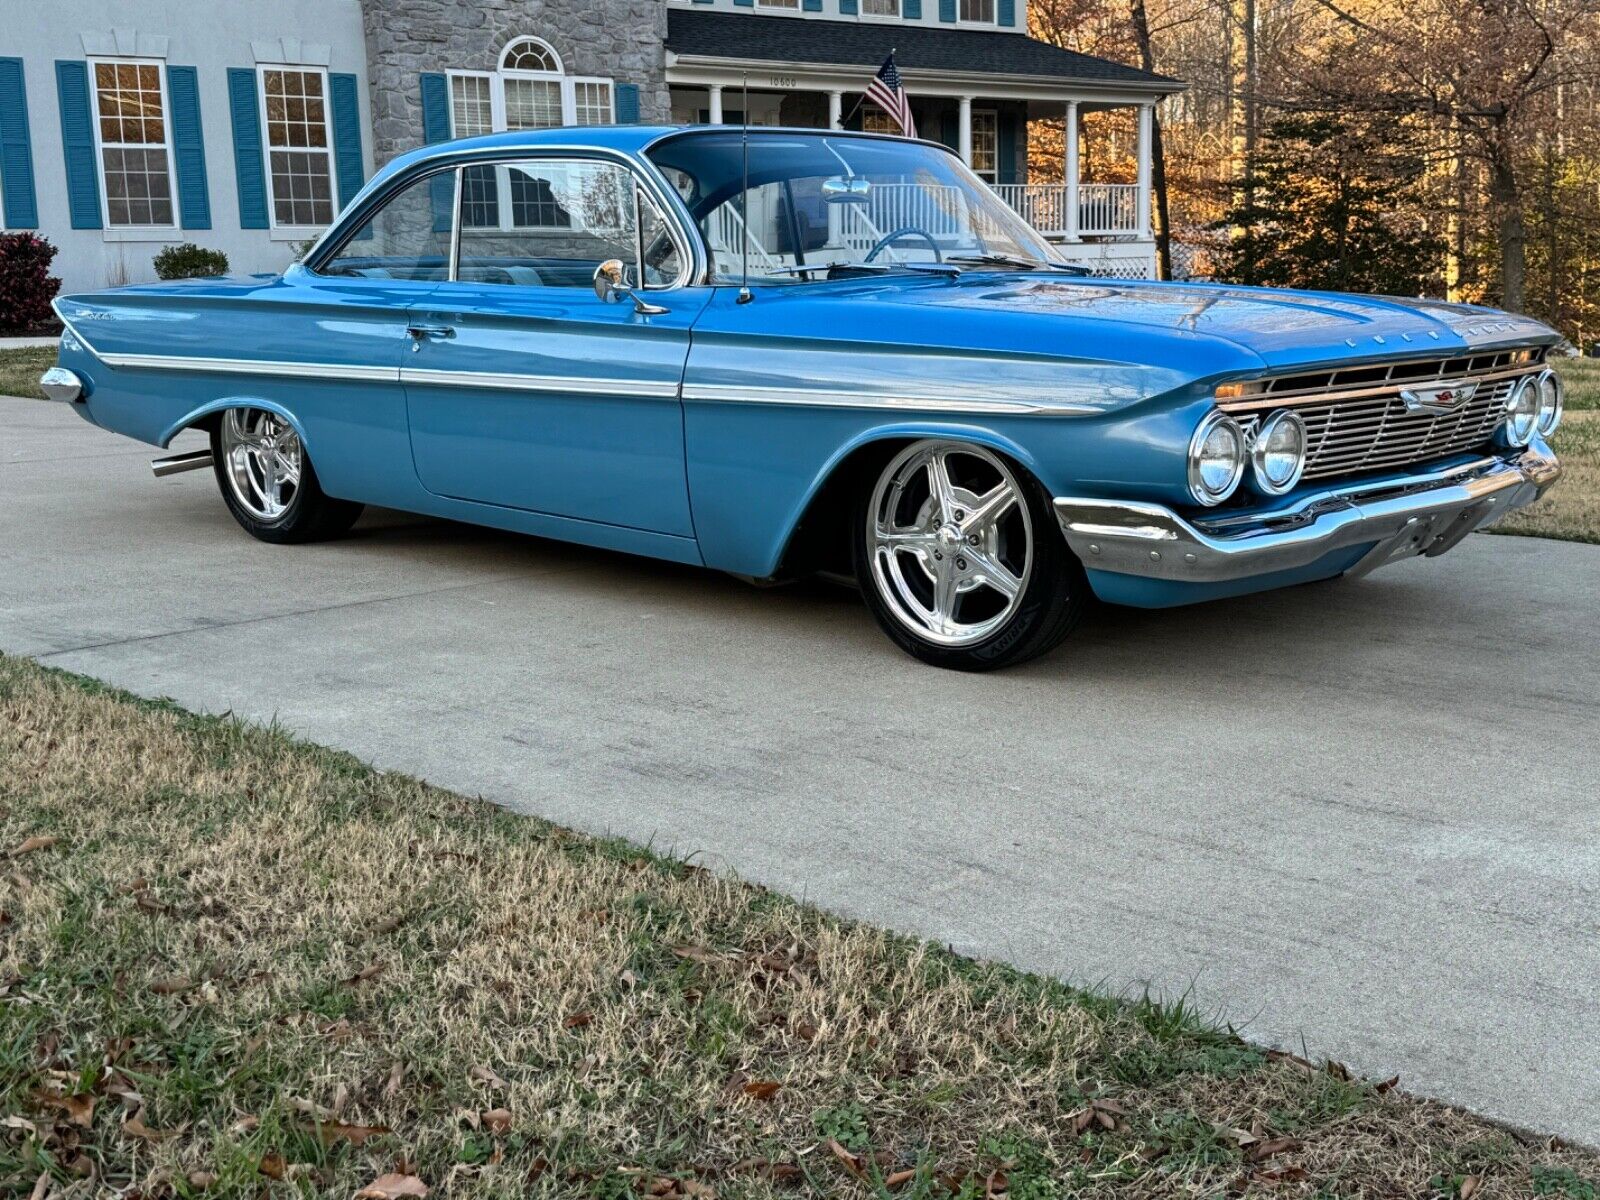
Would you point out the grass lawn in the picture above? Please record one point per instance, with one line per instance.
(20, 370)
(239, 965)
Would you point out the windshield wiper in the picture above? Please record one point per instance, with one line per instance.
(1012, 260)
(830, 268)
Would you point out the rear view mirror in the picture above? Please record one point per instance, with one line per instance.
(840, 190)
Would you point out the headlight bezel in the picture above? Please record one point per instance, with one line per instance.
(1552, 403)
(1202, 494)
(1259, 451)
(1511, 426)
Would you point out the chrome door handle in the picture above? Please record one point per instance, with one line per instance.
(421, 333)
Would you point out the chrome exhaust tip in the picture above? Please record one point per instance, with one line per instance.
(177, 464)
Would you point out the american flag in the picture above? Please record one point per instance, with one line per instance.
(888, 92)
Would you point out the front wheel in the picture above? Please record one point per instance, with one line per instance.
(268, 482)
(958, 558)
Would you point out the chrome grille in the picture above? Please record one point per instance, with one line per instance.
(1371, 429)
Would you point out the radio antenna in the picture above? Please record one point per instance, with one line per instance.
(745, 294)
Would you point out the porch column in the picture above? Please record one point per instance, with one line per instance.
(716, 104)
(835, 109)
(1146, 152)
(964, 140)
(1069, 166)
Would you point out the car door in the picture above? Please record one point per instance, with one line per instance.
(525, 389)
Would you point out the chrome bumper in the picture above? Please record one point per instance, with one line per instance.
(1425, 514)
(58, 383)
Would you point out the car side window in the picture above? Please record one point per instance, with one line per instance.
(408, 238)
(551, 222)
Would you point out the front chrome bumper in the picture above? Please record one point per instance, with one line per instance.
(1425, 514)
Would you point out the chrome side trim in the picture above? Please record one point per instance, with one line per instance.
(1425, 514)
(245, 366)
(719, 393)
(653, 388)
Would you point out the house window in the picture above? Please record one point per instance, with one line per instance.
(880, 8)
(875, 120)
(299, 161)
(978, 11)
(131, 117)
(531, 90)
(790, 4)
(985, 144)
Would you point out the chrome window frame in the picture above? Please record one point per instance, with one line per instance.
(692, 255)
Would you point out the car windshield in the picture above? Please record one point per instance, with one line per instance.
(822, 205)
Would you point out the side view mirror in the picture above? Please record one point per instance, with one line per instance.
(611, 286)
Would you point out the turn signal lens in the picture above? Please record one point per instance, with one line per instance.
(1552, 400)
(1216, 459)
(1522, 412)
(1279, 453)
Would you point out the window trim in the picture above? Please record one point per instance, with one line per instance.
(897, 15)
(779, 5)
(992, 23)
(295, 231)
(994, 114)
(130, 233)
(666, 202)
(497, 96)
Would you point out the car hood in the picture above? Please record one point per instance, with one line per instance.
(1283, 328)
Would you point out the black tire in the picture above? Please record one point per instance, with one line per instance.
(1052, 600)
(311, 515)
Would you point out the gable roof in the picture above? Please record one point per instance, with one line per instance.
(707, 33)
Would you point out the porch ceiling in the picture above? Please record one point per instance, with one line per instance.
(930, 58)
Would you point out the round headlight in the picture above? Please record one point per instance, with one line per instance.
(1216, 459)
(1279, 453)
(1522, 412)
(1552, 398)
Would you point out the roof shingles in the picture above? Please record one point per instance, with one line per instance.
(734, 35)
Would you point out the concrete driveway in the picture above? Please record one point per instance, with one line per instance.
(1365, 814)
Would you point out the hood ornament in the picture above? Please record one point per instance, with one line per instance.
(1441, 399)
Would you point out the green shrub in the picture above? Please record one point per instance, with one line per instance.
(26, 285)
(189, 261)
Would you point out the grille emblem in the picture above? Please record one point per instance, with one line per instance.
(1446, 398)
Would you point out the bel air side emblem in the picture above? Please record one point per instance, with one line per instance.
(1445, 398)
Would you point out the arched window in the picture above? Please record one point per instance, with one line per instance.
(530, 90)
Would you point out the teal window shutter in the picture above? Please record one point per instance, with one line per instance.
(911, 9)
(189, 148)
(344, 97)
(848, 7)
(1008, 12)
(625, 96)
(1006, 137)
(16, 149)
(247, 152)
(947, 11)
(813, 5)
(77, 143)
(435, 108)
(745, 3)
(950, 130)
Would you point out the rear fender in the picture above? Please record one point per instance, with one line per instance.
(201, 415)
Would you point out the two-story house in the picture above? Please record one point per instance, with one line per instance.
(126, 125)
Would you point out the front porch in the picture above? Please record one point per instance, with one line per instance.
(1021, 134)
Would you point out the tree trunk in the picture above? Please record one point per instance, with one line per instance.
(1158, 156)
(1513, 231)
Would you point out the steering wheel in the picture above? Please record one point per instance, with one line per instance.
(903, 232)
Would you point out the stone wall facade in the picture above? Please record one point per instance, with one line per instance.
(624, 40)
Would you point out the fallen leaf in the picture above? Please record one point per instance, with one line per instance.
(145, 902)
(762, 1089)
(201, 1180)
(577, 1020)
(1285, 1175)
(697, 954)
(21, 1123)
(41, 1187)
(272, 1166)
(372, 970)
(627, 978)
(1388, 1085)
(390, 924)
(78, 1109)
(899, 1178)
(134, 1124)
(356, 1135)
(487, 1076)
(693, 1187)
(29, 845)
(244, 1125)
(805, 1031)
(497, 1120)
(850, 1161)
(392, 1088)
(174, 986)
(391, 1187)
(1469, 1185)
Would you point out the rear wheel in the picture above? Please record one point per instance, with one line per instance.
(958, 557)
(268, 482)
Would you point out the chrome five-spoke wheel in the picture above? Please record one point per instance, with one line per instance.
(960, 558)
(262, 461)
(268, 481)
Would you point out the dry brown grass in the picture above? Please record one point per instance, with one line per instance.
(1571, 511)
(20, 370)
(234, 936)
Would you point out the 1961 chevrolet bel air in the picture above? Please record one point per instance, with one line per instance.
(779, 351)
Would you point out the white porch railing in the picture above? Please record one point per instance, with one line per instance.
(1104, 209)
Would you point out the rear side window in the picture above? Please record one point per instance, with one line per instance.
(408, 238)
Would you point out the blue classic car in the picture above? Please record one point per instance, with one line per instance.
(773, 352)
